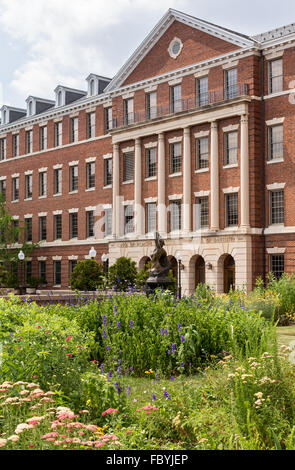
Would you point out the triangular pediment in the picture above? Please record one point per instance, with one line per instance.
(206, 41)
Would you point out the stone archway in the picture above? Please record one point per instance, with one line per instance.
(200, 271)
(143, 262)
(229, 273)
(174, 267)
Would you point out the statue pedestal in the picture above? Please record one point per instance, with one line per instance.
(154, 283)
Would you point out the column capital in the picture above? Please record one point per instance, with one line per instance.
(138, 141)
(214, 124)
(116, 147)
(244, 118)
(187, 130)
(161, 136)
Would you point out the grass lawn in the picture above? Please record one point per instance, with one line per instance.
(286, 334)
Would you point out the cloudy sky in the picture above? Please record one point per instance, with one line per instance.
(44, 43)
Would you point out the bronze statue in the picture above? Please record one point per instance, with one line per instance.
(160, 264)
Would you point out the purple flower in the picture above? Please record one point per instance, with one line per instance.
(166, 332)
(172, 378)
(179, 326)
(131, 368)
(166, 394)
(182, 339)
(110, 374)
(118, 325)
(104, 334)
(182, 364)
(173, 349)
(101, 368)
(104, 321)
(131, 324)
(161, 332)
(157, 376)
(153, 396)
(108, 347)
(115, 309)
(128, 390)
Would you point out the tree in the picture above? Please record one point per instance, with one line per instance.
(87, 275)
(123, 274)
(10, 235)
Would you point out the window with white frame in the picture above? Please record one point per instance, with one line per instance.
(29, 141)
(108, 171)
(275, 71)
(3, 149)
(276, 142)
(129, 111)
(231, 83)
(28, 186)
(231, 148)
(175, 158)
(202, 147)
(107, 222)
(72, 264)
(15, 189)
(42, 271)
(151, 162)
(108, 113)
(3, 189)
(57, 273)
(202, 212)
(90, 175)
(57, 227)
(202, 91)
(42, 183)
(128, 214)
(277, 265)
(57, 176)
(151, 105)
(74, 225)
(90, 224)
(58, 134)
(15, 145)
(151, 217)
(277, 207)
(175, 215)
(29, 229)
(74, 123)
(128, 158)
(74, 172)
(42, 228)
(175, 99)
(43, 138)
(90, 125)
(232, 209)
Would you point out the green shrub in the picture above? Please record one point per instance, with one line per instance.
(87, 275)
(123, 274)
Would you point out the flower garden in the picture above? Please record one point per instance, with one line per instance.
(132, 372)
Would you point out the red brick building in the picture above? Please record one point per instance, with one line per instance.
(192, 138)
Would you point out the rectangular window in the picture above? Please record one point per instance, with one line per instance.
(58, 134)
(74, 225)
(42, 228)
(90, 224)
(57, 181)
(202, 91)
(128, 166)
(230, 148)
(15, 145)
(276, 142)
(29, 229)
(90, 125)
(202, 212)
(15, 189)
(128, 111)
(232, 210)
(57, 224)
(231, 84)
(151, 105)
(15, 237)
(90, 175)
(3, 189)
(108, 172)
(57, 273)
(151, 217)
(277, 265)
(151, 162)
(128, 219)
(175, 158)
(29, 186)
(72, 264)
(3, 149)
(43, 138)
(74, 124)
(175, 99)
(275, 71)
(42, 271)
(277, 210)
(175, 216)
(29, 141)
(107, 222)
(28, 270)
(108, 113)
(42, 183)
(202, 147)
(74, 178)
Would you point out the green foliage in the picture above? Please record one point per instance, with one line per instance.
(87, 275)
(123, 274)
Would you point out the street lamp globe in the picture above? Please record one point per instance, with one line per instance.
(92, 253)
(21, 255)
(104, 257)
(179, 256)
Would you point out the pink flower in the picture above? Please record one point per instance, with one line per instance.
(3, 442)
(109, 411)
(69, 354)
(68, 338)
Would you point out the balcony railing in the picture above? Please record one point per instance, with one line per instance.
(180, 106)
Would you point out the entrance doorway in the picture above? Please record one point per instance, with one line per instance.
(229, 274)
(200, 277)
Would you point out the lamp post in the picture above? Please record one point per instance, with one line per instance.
(180, 268)
(105, 262)
(92, 253)
(21, 257)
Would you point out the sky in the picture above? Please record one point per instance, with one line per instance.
(45, 43)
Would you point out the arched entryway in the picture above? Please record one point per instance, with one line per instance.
(144, 262)
(200, 276)
(229, 274)
(174, 267)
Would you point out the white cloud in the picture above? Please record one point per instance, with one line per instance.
(65, 40)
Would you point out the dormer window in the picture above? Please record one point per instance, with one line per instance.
(30, 110)
(4, 117)
(91, 87)
(59, 98)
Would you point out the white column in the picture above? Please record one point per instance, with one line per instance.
(187, 185)
(138, 209)
(245, 210)
(116, 192)
(214, 177)
(162, 213)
